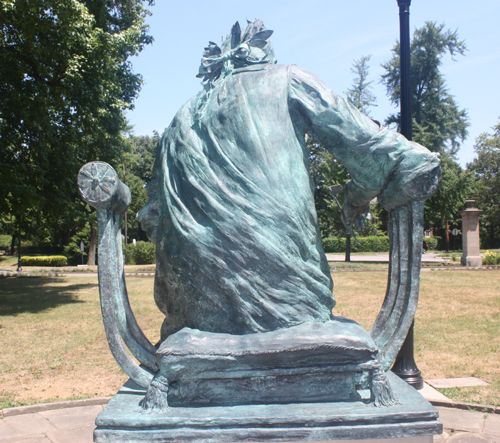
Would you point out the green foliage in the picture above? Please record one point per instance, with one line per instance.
(438, 123)
(138, 163)
(445, 205)
(373, 243)
(142, 253)
(72, 250)
(491, 258)
(65, 80)
(325, 171)
(53, 260)
(5, 241)
(360, 94)
(486, 169)
(432, 242)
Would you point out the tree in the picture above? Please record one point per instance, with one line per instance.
(325, 171)
(138, 160)
(442, 211)
(438, 123)
(486, 169)
(360, 94)
(65, 80)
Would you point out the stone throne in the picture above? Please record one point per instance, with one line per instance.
(249, 348)
(323, 366)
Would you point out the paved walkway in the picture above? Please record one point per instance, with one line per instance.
(428, 257)
(73, 422)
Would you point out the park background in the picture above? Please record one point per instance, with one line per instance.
(323, 37)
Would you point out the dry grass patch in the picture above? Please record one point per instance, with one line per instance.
(53, 344)
(457, 330)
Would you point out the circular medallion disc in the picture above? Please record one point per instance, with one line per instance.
(97, 182)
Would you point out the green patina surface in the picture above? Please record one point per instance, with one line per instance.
(241, 275)
(231, 204)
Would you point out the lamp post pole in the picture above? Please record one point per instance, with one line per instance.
(405, 366)
(404, 60)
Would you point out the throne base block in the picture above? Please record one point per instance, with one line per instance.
(413, 420)
(307, 363)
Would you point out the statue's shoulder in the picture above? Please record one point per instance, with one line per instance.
(264, 68)
(288, 70)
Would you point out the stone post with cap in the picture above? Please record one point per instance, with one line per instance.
(470, 233)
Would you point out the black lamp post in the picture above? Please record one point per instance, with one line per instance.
(405, 366)
(404, 60)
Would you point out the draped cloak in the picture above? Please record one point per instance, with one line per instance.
(231, 201)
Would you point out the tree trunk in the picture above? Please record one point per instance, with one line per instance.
(13, 245)
(92, 247)
(125, 216)
(447, 235)
(19, 250)
(348, 247)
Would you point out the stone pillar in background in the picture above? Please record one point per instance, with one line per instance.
(470, 234)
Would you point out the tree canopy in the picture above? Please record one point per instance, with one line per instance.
(138, 160)
(456, 187)
(486, 169)
(325, 171)
(438, 123)
(65, 80)
(360, 94)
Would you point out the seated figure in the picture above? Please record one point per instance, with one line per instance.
(241, 275)
(231, 206)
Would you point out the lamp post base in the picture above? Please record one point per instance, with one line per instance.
(405, 366)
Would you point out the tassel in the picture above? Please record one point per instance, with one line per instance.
(156, 398)
(381, 390)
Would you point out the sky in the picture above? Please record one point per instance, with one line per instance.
(323, 37)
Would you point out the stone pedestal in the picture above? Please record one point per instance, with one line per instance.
(470, 232)
(412, 420)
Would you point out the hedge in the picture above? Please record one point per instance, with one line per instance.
(142, 253)
(52, 260)
(373, 243)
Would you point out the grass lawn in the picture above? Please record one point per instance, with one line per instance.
(457, 327)
(53, 345)
(52, 339)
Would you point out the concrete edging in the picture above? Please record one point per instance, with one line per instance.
(19, 410)
(472, 407)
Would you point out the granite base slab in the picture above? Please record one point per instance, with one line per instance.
(414, 420)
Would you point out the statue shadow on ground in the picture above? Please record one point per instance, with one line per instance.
(35, 295)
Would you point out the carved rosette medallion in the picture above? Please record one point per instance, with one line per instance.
(98, 183)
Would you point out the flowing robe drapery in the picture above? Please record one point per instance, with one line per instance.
(238, 244)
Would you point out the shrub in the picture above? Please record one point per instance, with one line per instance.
(53, 260)
(5, 242)
(72, 250)
(373, 243)
(330, 244)
(491, 258)
(142, 253)
(128, 253)
(432, 242)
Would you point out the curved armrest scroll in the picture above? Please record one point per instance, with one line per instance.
(100, 187)
(400, 304)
